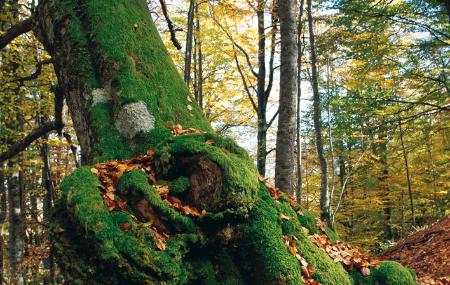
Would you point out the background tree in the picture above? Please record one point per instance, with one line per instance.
(284, 166)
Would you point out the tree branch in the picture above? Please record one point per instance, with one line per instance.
(272, 57)
(15, 31)
(26, 141)
(235, 44)
(34, 75)
(244, 81)
(273, 119)
(73, 148)
(173, 36)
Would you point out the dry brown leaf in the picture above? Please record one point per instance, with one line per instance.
(160, 244)
(125, 227)
(284, 217)
(365, 271)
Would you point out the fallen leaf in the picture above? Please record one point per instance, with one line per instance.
(121, 204)
(160, 244)
(284, 217)
(365, 271)
(125, 227)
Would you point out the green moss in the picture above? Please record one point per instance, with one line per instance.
(110, 144)
(389, 273)
(309, 221)
(136, 183)
(180, 185)
(264, 257)
(85, 204)
(220, 270)
(332, 235)
(326, 270)
(77, 35)
(240, 178)
(132, 55)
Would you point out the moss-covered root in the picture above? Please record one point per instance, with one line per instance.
(389, 273)
(263, 255)
(223, 178)
(145, 200)
(269, 222)
(131, 254)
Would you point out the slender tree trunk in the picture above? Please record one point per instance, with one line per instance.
(324, 197)
(330, 140)
(199, 88)
(299, 107)
(189, 39)
(387, 208)
(284, 164)
(47, 206)
(260, 91)
(341, 162)
(3, 209)
(408, 178)
(16, 226)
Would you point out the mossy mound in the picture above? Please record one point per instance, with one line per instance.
(240, 250)
(388, 273)
(239, 176)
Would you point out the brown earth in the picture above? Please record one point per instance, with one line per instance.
(427, 252)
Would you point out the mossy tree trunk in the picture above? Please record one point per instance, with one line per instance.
(125, 94)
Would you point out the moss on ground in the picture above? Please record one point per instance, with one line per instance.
(264, 258)
(326, 270)
(332, 235)
(389, 273)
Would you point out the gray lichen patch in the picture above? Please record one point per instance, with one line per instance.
(134, 118)
(100, 95)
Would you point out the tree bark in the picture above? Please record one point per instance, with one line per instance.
(408, 179)
(299, 109)
(3, 210)
(284, 162)
(16, 229)
(387, 208)
(199, 88)
(324, 197)
(189, 39)
(260, 91)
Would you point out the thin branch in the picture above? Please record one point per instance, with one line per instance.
(353, 170)
(173, 36)
(244, 81)
(235, 44)
(15, 31)
(272, 58)
(26, 141)
(273, 118)
(73, 148)
(59, 105)
(34, 75)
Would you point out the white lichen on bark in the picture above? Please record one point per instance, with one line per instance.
(134, 118)
(100, 95)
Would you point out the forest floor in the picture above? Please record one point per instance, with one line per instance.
(427, 252)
